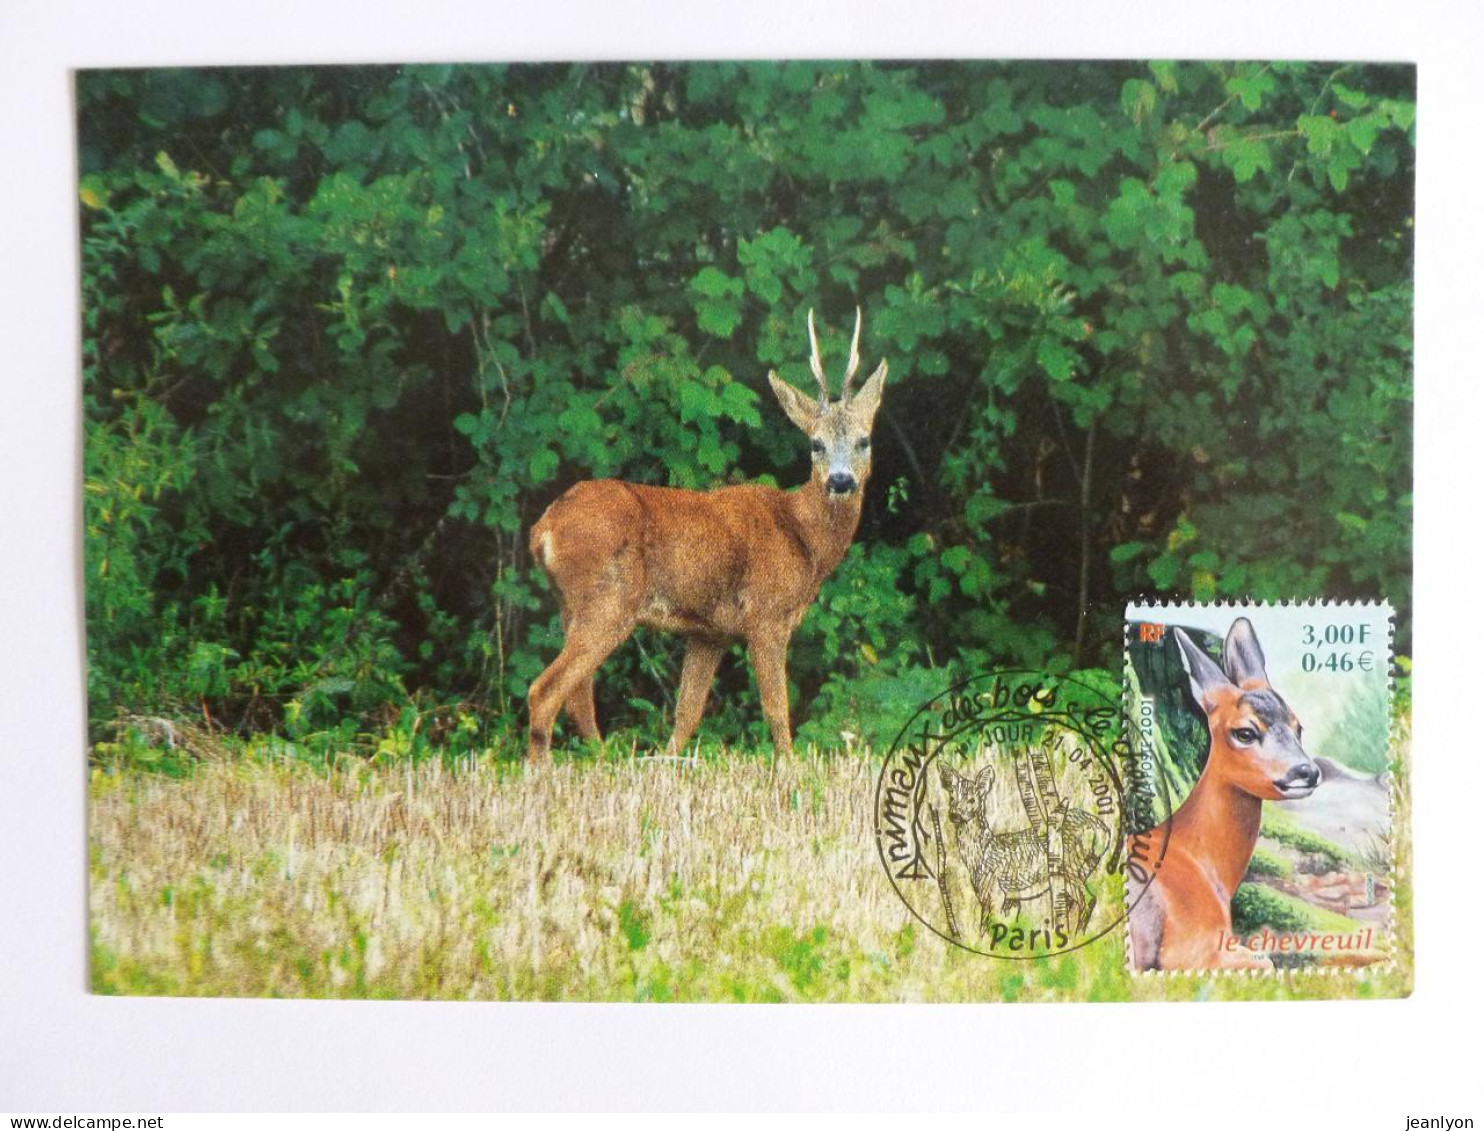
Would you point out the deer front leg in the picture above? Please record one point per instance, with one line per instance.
(701, 659)
(769, 652)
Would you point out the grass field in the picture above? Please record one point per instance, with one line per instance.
(736, 879)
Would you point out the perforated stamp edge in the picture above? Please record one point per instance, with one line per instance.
(1394, 785)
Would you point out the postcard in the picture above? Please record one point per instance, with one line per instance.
(805, 531)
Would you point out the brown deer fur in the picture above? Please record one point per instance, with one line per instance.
(737, 563)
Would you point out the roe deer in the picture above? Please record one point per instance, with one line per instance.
(1184, 911)
(737, 563)
(1018, 866)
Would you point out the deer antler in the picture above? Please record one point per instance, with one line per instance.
(855, 358)
(816, 363)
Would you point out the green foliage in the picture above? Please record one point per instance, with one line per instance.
(1265, 863)
(1279, 827)
(1353, 741)
(1256, 906)
(347, 331)
(1182, 736)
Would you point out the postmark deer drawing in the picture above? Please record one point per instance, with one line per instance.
(1182, 913)
(1053, 857)
(736, 563)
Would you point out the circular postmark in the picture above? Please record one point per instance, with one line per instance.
(1001, 814)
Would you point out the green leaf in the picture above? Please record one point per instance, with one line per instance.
(709, 452)
(956, 558)
(714, 283)
(1138, 99)
(580, 420)
(697, 402)
(1163, 569)
(92, 190)
(719, 318)
(1124, 219)
(1245, 156)
(982, 506)
(1232, 299)
(1251, 86)
(1174, 178)
(1320, 131)
(901, 108)
(1057, 358)
(1403, 113)
(1362, 131)
(1165, 76)
(544, 464)
(765, 285)
(740, 403)
(1202, 585)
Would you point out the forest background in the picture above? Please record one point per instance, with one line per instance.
(347, 331)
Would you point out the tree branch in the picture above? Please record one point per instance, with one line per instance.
(1084, 571)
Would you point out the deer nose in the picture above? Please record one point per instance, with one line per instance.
(840, 482)
(1303, 776)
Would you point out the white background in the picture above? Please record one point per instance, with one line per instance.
(62, 1050)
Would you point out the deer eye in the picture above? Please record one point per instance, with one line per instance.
(818, 446)
(1246, 736)
(864, 443)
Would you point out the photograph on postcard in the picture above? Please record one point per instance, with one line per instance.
(758, 531)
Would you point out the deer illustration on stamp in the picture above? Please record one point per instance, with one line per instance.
(737, 563)
(1180, 915)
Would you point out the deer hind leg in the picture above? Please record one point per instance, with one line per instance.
(1086, 901)
(769, 653)
(589, 641)
(582, 709)
(701, 659)
(581, 706)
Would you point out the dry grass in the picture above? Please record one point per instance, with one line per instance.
(733, 880)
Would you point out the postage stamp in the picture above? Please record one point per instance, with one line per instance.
(1269, 728)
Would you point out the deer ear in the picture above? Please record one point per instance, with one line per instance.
(1205, 677)
(801, 409)
(1241, 655)
(864, 404)
(985, 781)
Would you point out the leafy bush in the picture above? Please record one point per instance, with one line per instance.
(1256, 906)
(1265, 863)
(1279, 827)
